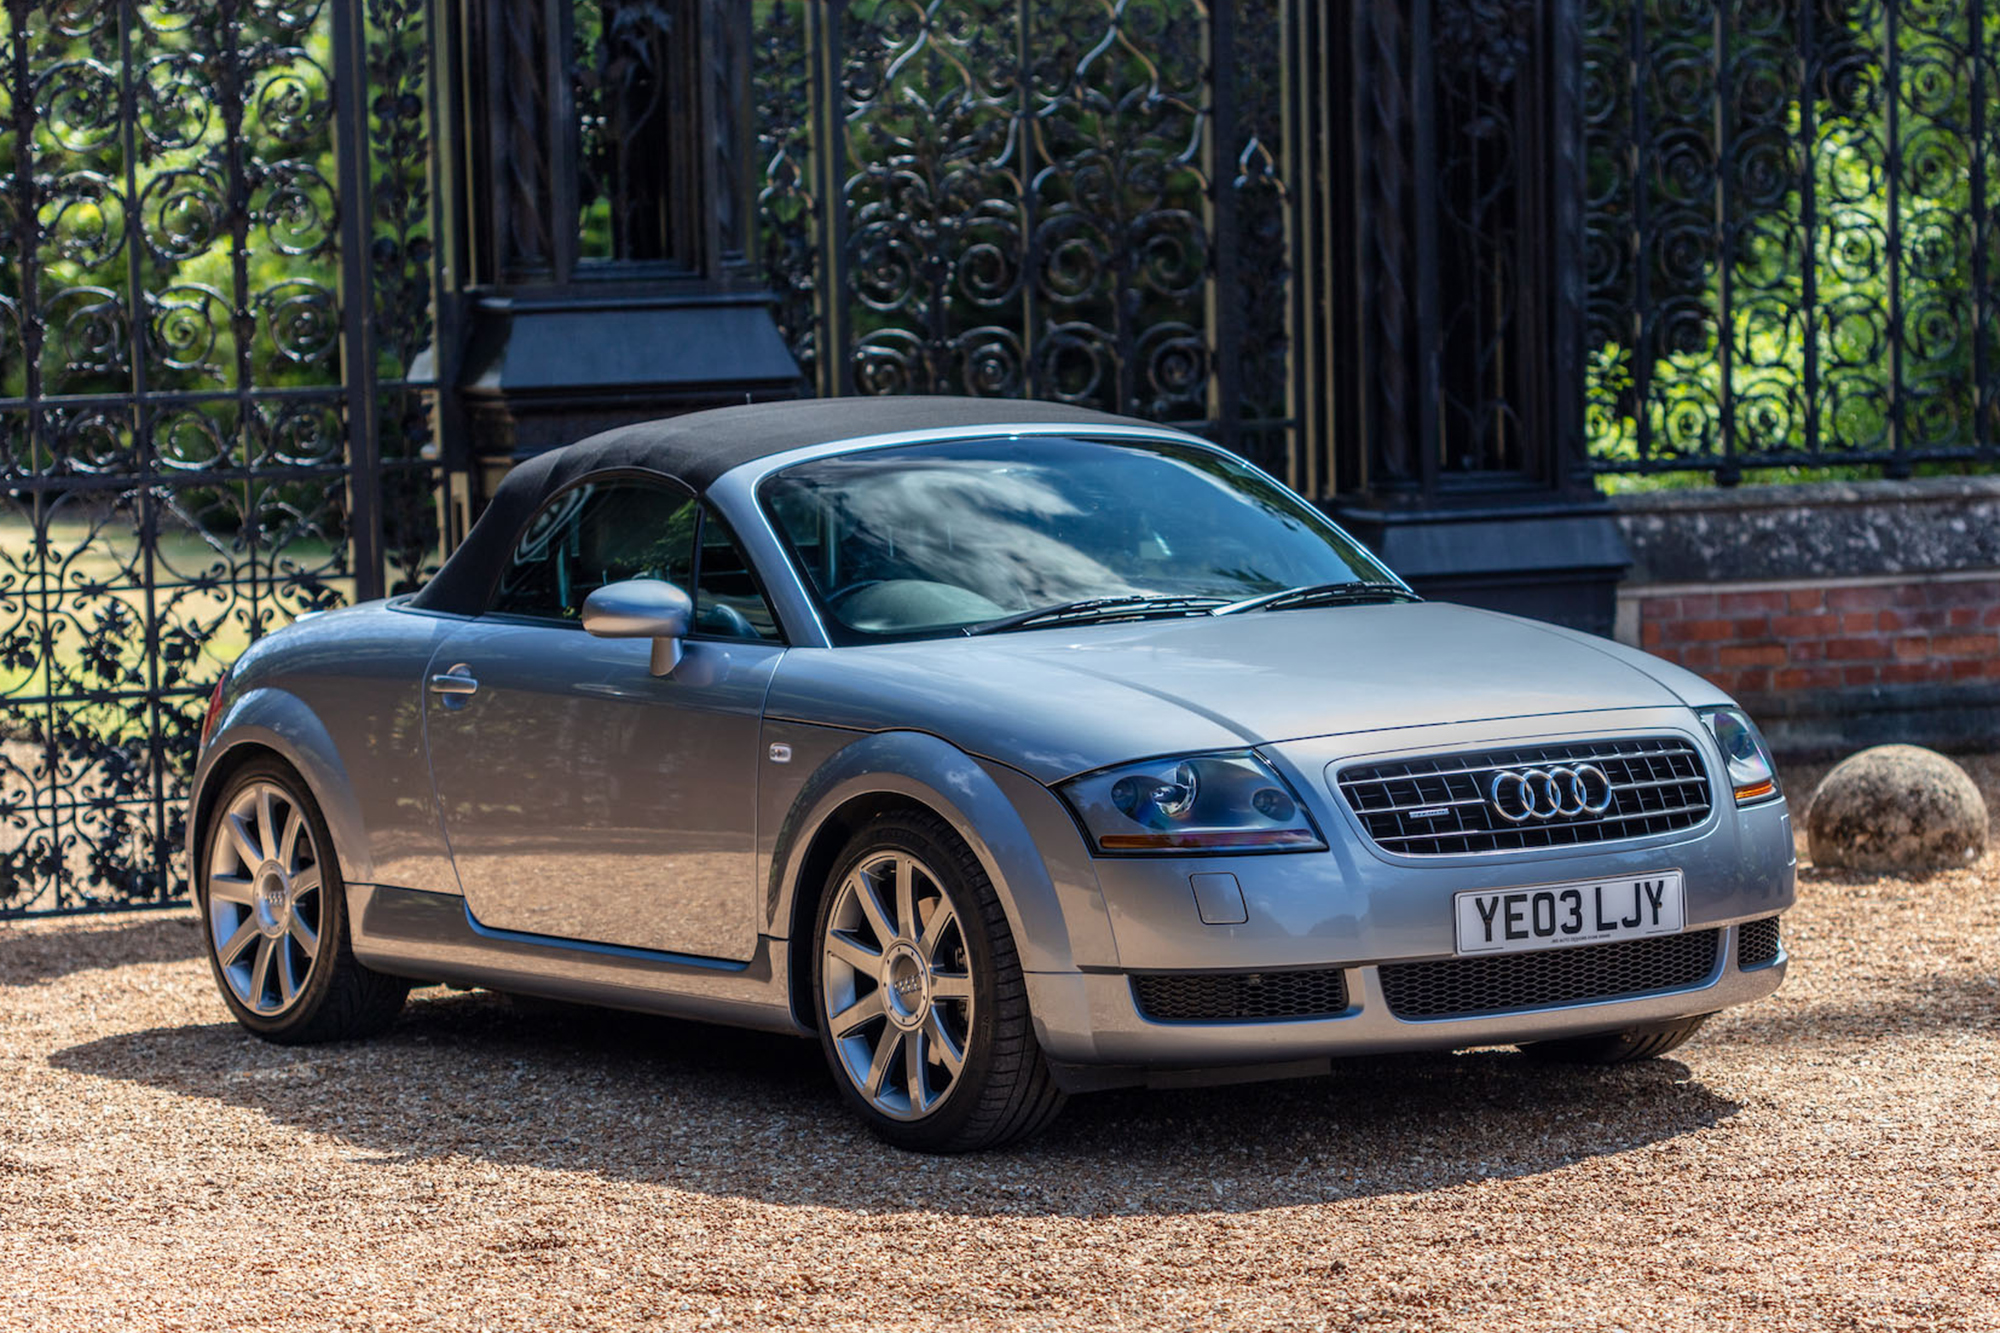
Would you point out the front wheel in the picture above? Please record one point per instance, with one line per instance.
(1617, 1048)
(922, 1010)
(275, 908)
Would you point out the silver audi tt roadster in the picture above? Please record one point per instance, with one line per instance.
(1009, 749)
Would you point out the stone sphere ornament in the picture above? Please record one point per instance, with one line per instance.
(1896, 808)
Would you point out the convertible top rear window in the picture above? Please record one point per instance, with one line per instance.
(938, 538)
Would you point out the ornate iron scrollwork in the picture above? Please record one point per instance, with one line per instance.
(633, 73)
(1487, 102)
(177, 396)
(1790, 229)
(1023, 200)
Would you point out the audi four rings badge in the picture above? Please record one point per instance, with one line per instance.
(1549, 793)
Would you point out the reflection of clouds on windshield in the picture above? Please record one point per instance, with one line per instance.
(1232, 488)
(980, 527)
(909, 535)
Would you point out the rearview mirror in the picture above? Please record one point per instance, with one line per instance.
(642, 609)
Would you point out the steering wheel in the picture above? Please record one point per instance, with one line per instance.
(722, 618)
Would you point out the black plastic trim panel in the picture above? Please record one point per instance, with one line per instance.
(1548, 978)
(1239, 997)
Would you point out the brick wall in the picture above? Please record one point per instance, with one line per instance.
(1842, 614)
(1761, 641)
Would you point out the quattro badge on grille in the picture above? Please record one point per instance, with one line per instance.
(1519, 795)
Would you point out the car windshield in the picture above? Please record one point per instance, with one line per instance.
(943, 538)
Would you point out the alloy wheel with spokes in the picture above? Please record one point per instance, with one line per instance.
(275, 909)
(896, 984)
(265, 899)
(919, 998)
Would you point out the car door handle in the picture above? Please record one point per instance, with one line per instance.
(458, 680)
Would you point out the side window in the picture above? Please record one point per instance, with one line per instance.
(728, 604)
(594, 534)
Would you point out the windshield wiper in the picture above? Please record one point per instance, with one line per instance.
(1099, 608)
(1322, 594)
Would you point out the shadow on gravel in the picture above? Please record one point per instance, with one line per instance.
(731, 1113)
(1964, 1000)
(27, 958)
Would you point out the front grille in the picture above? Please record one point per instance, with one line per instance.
(1461, 987)
(1757, 943)
(1439, 805)
(1232, 997)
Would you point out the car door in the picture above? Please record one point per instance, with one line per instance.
(583, 797)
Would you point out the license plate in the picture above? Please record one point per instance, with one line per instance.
(1584, 911)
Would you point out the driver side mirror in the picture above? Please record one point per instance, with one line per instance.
(642, 609)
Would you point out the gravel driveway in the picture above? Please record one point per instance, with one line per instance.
(1827, 1159)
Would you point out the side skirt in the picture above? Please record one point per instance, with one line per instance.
(433, 937)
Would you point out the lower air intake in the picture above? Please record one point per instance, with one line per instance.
(1239, 997)
(1757, 943)
(1505, 983)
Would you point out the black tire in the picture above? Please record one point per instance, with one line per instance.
(1617, 1048)
(1003, 1091)
(339, 999)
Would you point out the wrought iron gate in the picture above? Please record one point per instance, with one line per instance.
(217, 277)
(223, 275)
(1791, 249)
(1078, 200)
(1415, 254)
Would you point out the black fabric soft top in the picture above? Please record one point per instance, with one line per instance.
(698, 448)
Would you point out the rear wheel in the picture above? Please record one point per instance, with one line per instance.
(1617, 1048)
(275, 908)
(923, 1013)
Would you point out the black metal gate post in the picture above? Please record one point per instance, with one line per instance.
(1462, 377)
(357, 348)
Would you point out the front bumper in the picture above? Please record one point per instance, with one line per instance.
(1357, 908)
(1091, 1019)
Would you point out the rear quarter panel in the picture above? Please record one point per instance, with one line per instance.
(340, 697)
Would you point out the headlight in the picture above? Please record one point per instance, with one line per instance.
(1751, 773)
(1207, 803)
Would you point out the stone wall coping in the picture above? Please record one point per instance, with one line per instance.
(1812, 494)
(1633, 592)
(1812, 531)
